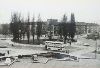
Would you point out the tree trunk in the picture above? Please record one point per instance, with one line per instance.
(28, 37)
(23, 36)
(38, 39)
(65, 38)
(33, 38)
(28, 40)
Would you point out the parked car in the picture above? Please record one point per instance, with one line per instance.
(86, 44)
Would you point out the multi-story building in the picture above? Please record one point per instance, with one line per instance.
(82, 27)
(53, 26)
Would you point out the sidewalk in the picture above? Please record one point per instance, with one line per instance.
(19, 44)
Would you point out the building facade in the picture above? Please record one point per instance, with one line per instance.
(85, 28)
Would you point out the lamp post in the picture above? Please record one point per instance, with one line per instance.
(96, 36)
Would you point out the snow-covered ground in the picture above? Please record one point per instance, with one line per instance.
(83, 63)
(83, 51)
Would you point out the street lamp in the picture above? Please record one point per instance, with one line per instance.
(96, 36)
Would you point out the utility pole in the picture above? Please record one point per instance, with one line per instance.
(96, 50)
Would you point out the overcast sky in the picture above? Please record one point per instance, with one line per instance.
(84, 10)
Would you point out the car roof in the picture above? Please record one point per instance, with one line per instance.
(48, 41)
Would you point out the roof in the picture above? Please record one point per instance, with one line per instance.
(57, 42)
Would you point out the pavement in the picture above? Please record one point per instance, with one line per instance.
(19, 44)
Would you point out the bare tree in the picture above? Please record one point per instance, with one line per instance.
(23, 26)
(39, 28)
(22, 29)
(28, 28)
(50, 32)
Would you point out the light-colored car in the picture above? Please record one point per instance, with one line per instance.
(86, 44)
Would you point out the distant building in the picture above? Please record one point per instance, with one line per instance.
(53, 26)
(52, 21)
(82, 27)
(44, 27)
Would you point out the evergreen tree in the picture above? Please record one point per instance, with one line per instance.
(14, 26)
(63, 28)
(65, 31)
(72, 28)
(64, 19)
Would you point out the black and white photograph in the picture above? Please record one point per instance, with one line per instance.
(49, 33)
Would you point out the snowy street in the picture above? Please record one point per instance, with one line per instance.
(82, 53)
